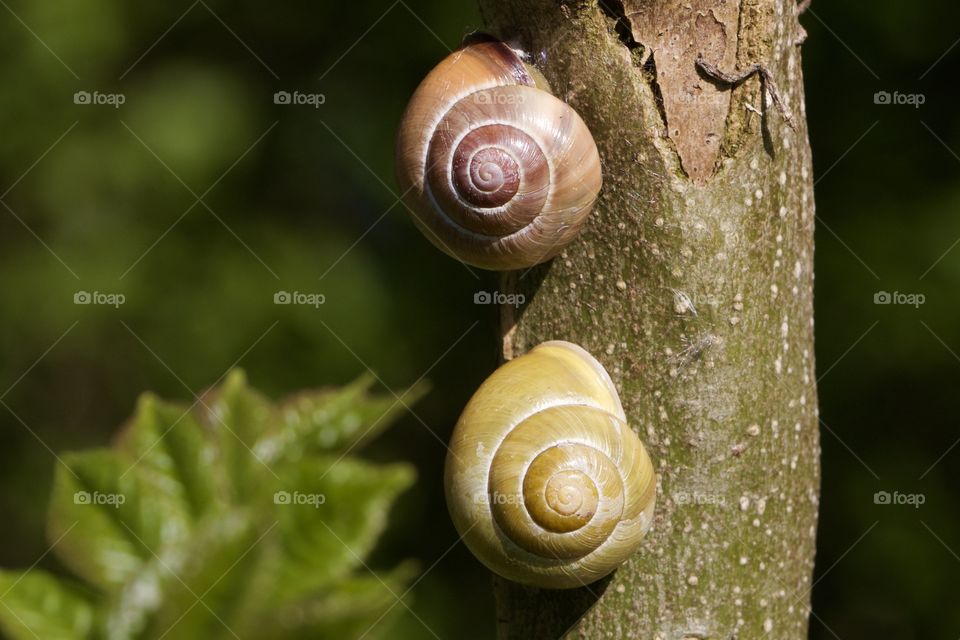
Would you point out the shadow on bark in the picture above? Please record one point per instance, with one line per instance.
(526, 283)
(558, 610)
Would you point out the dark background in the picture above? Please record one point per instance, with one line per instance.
(296, 198)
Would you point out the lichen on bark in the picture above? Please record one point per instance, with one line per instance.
(697, 295)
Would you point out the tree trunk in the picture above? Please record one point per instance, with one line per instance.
(693, 284)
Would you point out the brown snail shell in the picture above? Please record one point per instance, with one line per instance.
(497, 171)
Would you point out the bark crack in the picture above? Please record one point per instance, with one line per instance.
(614, 9)
(640, 53)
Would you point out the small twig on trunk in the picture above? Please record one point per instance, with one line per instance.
(733, 79)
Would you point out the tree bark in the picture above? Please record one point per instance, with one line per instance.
(693, 284)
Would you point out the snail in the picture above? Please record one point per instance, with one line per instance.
(545, 481)
(497, 171)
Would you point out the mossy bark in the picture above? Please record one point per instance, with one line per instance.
(696, 293)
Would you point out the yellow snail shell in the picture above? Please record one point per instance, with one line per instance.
(545, 480)
(497, 171)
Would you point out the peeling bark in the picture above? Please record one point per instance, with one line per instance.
(677, 35)
(695, 290)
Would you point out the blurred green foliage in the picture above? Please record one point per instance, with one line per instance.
(104, 199)
(296, 198)
(255, 512)
(887, 190)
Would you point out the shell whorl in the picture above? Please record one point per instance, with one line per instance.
(496, 171)
(545, 481)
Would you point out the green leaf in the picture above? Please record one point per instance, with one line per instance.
(35, 605)
(171, 458)
(205, 587)
(361, 605)
(94, 519)
(331, 512)
(336, 420)
(185, 533)
(239, 416)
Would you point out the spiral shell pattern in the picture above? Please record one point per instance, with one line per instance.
(545, 481)
(496, 171)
